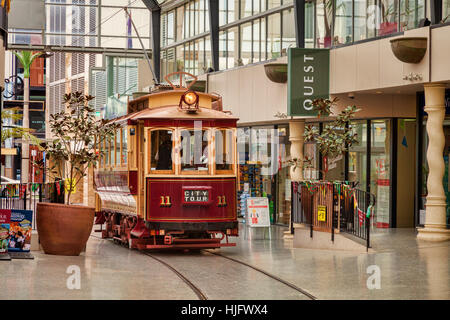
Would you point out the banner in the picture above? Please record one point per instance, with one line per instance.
(5, 218)
(20, 231)
(308, 79)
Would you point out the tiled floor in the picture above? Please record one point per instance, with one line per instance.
(409, 269)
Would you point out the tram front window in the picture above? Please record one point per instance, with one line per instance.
(194, 150)
(224, 150)
(161, 153)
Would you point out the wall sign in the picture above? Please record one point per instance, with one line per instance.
(322, 213)
(308, 79)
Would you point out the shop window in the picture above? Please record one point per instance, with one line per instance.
(222, 12)
(288, 36)
(224, 150)
(273, 4)
(380, 170)
(388, 14)
(256, 41)
(274, 36)
(124, 159)
(161, 144)
(194, 151)
(246, 43)
(232, 47)
(411, 12)
(201, 56)
(233, 10)
(324, 18)
(180, 29)
(357, 156)
(446, 10)
(365, 19)
(222, 50)
(309, 25)
(208, 57)
(246, 8)
(343, 27)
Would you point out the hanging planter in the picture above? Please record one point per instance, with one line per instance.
(276, 72)
(410, 49)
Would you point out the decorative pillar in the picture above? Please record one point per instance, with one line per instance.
(296, 131)
(436, 207)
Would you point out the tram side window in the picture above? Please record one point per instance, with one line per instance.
(106, 150)
(118, 147)
(111, 152)
(161, 150)
(124, 146)
(224, 150)
(194, 150)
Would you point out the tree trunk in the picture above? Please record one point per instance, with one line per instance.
(26, 125)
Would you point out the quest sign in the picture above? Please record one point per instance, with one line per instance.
(308, 79)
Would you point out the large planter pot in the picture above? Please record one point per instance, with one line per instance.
(64, 229)
(276, 72)
(409, 50)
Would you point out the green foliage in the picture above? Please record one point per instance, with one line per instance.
(76, 134)
(336, 137)
(15, 131)
(26, 58)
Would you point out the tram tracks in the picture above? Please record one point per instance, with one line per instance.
(200, 294)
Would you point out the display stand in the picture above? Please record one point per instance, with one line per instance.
(21, 255)
(258, 219)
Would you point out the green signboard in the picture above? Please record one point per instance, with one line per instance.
(308, 79)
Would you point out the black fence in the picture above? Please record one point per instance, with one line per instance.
(329, 206)
(26, 196)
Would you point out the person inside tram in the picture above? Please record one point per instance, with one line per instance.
(164, 156)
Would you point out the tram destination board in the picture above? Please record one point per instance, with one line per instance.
(196, 195)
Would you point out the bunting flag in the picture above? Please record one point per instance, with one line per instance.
(58, 187)
(361, 217)
(8, 5)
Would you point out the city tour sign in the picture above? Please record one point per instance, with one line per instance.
(308, 79)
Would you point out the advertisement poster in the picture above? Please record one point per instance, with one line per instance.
(20, 231)
(5, 217)
(258, 212)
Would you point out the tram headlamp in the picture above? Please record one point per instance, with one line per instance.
(190, 98)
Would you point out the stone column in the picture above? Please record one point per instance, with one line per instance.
(435, 226)
(296, 131)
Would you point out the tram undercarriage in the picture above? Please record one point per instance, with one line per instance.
(135, 233)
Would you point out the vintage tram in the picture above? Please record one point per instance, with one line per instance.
(168, 178)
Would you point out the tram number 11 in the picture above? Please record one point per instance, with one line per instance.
(221, 201)
(165, 201)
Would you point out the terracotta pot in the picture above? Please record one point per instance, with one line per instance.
(64, 229)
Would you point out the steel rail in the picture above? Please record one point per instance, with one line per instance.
(292, 286)
(193, 287)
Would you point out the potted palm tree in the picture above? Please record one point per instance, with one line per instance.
(65, 228)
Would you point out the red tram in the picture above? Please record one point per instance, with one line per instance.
(168, 178)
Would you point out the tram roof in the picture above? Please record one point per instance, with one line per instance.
(173, 112)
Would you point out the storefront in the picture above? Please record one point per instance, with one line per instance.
(381, 162)
(263, 170)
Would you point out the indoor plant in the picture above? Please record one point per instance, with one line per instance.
(335, 138)
(65, 228)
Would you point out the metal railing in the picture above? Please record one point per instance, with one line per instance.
(329, 206)
(27, 196)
